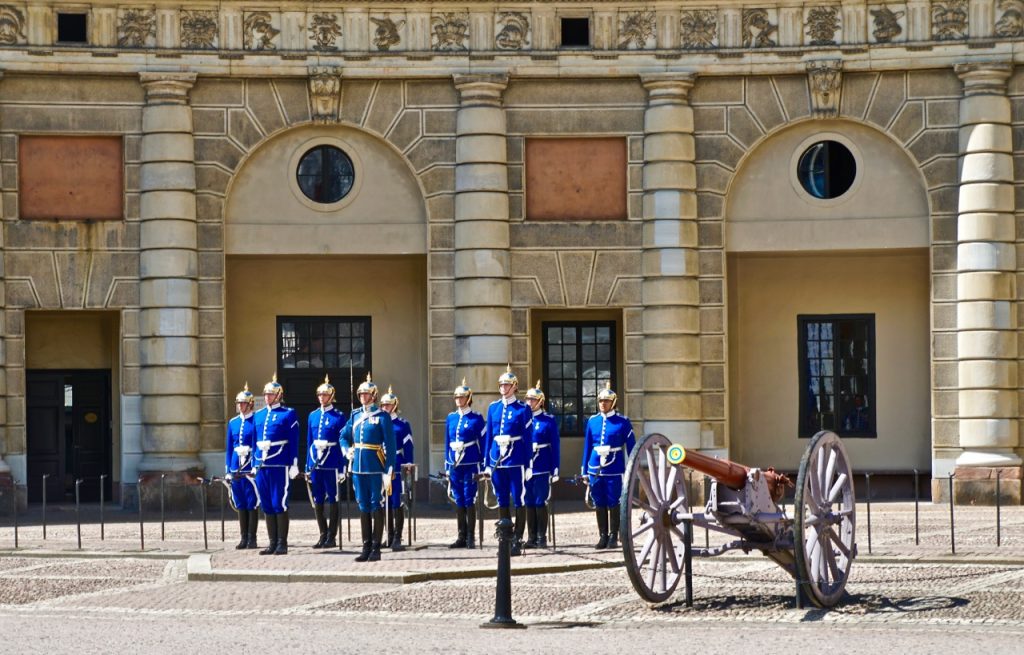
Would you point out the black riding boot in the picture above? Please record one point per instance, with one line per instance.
(332, 526)
(271, 535)
(520, 528)
(542, 527)
(243, 527)
(396, 543)
(460, 521)
(366, 529)
(254, 524)
(613, 530)
(321, 523)
(378, 533)
(470, 526)
(602, 528)
(531, 526)
(282, 534)
(391, 527)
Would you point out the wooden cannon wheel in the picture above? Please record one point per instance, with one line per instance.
(824, 520)
(651, 537)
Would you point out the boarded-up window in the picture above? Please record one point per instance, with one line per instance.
(576, 179)
(70, 177)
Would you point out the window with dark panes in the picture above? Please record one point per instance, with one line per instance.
(837, 374)
(331, 343)
(579, 358)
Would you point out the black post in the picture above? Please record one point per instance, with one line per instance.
(707, 536)
(202, 499)
(688, 559)
(162, 476)
(337, 499)
(222, 535)
(999, 507)
(45, 475)
(952, 528)
(503, 590)
(410, 495)
(14, 509)
(348, 507)
(917, 513)
(480, 506)
(554, 535)
(103, 531)
(867, 480)
(78, 512)
(142, 529)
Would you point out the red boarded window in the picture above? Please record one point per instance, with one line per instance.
(71, 177)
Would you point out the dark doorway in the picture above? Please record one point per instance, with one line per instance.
(69, 434)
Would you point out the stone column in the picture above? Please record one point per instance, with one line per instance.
(671, 325)
(5, 469)
(168, 286)
(483, 293)
(986, 269)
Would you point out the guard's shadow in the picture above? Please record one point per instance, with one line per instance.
(853, 604)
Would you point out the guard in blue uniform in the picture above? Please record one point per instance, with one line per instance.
(465, 437)
(546, 457)
(404, 455)
(608, 443)
(325, 464)
(509, 451)
(369, 440)
(241, 442)
(277, 463)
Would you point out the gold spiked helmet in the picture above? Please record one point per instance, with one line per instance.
(463, 391)
(608, 394)
(274, 387)
(389, 399)
(368, 386)
(245, 397)
(508, 377)
(536, 394)
(326, 387)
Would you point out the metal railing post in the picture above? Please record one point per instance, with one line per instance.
(917, 511)
(103, 530)
(162, 517)
(867, 480)
(952, 524)
(142, 528)
(78, 511)
(45, 475)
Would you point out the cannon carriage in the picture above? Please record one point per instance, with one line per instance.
(815, 544)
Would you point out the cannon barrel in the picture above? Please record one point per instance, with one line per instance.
(730, 474)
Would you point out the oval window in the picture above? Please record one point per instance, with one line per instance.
(827, 170)
(325, 174)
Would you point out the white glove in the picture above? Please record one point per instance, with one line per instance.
(554, 476)
(487, 471)
(229, 477)
(348, 453)
(341, 476)
(529, 473)
(386, 479)
(293, 472)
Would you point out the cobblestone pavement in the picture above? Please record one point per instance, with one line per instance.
(914, 599)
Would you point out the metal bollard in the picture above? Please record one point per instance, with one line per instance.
(688, 559)
(952, 528)
(202, 499)
(103, 531)
(142, 529)
(480, 511)
(554, 534)
(337, 499)
(867, 480)
(917, 513)
(348, 507)
(999, 507)
(503, 590)
(162, 517)
(14, 510)
(223, 536)
(707, 490)
(78, 512)
(45, 475)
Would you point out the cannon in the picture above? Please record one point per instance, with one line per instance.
(815, 545)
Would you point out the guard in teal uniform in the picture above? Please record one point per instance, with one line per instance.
(608, 443)
(277, 463)
(509, 451)
(404, 455)
(241, 442)
(465, 435)
(369, 440)
(325, 464)
(544, 464)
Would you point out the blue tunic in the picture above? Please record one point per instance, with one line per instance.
(324, 460)
(614, 432)
(403, 455)
(513, 420)
(238, 456)
(465, 438)
(371, 435)
(546, 447)
(277, 446)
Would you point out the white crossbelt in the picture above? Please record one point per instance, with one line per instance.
(604, 452)
(536, 451)
(265, 447)
(505, 442)
(459, 448)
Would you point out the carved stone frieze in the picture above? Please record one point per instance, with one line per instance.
(949, 20)
(258, 31)
(324, 32)
(1011, 23)
(199, 29)
(825, 80)
(758, 29)
(637, 30)
(450, 31)
(12, 25)
(136, 28)
(886, 23)
(821, 25)
(698, 28)
(387, 32)
(513, 31)
(324, 93)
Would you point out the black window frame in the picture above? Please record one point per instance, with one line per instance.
(323, 321)
(325, 175)
(581, 412)
(805, 428)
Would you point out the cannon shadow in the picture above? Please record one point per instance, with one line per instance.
(851, 604)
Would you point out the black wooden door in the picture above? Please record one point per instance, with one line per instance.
(46, 440)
